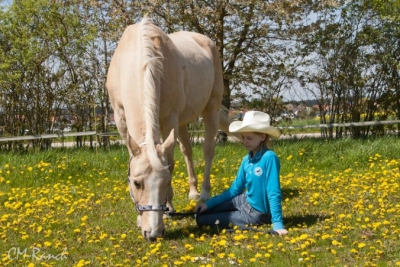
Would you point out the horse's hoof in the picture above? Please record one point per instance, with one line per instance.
(204, 196)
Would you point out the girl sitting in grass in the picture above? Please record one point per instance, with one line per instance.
(254, 197)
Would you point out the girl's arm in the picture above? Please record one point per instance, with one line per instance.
(236, 189)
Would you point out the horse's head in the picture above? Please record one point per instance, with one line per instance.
(149, 179)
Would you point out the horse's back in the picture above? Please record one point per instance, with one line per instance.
(191, 78)
(201, 69)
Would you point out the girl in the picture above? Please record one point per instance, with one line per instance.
(255, 196)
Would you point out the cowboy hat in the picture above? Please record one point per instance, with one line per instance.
(255, 121)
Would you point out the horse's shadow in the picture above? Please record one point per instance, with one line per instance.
(306, 219)
(289, 193)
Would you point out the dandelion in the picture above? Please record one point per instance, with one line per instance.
(361, 245)
(221, 255)
(222, 243)
(336, 243)
(189, 247)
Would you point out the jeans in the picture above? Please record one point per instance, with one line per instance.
(235, 212)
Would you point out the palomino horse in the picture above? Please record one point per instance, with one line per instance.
(158, 83)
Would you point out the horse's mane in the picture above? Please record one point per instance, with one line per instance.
(152, 60)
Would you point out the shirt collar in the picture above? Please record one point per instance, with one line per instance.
(258, 154)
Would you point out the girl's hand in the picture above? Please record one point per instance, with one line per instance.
(282, 231)
(201, 207)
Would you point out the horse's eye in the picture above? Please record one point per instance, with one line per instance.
(137, 184)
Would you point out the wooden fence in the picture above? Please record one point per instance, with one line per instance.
(46, 136)
(349, 124)
(64, 135)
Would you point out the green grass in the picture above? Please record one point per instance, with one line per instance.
(71, 208)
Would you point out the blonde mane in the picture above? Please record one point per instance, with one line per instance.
(152, 60)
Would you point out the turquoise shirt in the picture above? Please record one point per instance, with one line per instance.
(260, 177)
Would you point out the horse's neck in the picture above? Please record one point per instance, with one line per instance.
(139, 134)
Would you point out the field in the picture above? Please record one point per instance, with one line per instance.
(70, 207)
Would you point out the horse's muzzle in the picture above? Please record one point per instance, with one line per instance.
(153, 235)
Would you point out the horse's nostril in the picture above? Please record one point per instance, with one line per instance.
(148, 236)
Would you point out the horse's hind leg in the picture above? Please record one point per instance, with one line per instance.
(186, 148)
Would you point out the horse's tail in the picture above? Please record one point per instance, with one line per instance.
(224, 122)
(152, 64)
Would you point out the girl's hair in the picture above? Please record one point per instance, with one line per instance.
(267, 141)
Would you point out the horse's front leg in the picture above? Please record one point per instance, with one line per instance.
(211, 123)
(186, 148)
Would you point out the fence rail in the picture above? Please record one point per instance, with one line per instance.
(92, 133)
(46, 136)
(348, 124)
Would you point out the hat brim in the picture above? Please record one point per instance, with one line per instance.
(236, 127)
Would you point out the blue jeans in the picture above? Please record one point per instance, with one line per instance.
(236, 211)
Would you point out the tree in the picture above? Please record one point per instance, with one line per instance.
(45, 45)
(388, 47)
(251, 36)
(346, 65)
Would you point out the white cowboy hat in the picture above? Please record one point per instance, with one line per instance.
(255, 121)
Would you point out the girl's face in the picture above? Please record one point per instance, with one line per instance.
(252, 141)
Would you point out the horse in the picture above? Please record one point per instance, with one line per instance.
(157, 85)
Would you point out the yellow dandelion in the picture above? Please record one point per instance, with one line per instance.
(222, 243)
(361, 245)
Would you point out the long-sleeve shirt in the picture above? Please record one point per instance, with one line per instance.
(259, 175)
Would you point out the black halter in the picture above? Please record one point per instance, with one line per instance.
(140, 208)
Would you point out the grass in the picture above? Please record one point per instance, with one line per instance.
(69, 207)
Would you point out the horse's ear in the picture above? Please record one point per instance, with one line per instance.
(169, 143)
(133, 147)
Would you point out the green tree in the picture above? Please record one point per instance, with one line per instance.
(42, 63)
(347, 50)
(253, 38)
(388, 48)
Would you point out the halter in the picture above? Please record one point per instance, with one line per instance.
(140, 208)
(145, 207)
